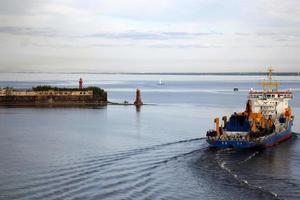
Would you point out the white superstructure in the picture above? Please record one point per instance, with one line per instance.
(270, 101)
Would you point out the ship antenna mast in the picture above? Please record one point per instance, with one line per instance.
(270, 73)
(270, 85)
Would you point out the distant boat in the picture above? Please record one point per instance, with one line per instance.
(235, 89)
(160, 82)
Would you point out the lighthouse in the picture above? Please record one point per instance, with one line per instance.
(80, 84)
(138, 98)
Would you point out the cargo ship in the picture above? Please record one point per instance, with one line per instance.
(266, 121)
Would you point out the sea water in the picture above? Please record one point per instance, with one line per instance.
(155, 152)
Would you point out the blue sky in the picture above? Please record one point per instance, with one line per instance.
(149, 36)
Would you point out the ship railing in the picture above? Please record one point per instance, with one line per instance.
(270, 94)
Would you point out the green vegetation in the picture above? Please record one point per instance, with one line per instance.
(48, 87)
(96, 90)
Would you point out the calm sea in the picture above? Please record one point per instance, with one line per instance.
(157, 152)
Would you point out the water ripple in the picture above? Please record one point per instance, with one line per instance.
(129, 173)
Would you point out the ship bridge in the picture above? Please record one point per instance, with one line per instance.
(270, 101)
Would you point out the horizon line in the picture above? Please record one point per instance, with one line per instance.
(160, 73)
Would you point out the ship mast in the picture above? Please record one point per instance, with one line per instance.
(269, 85)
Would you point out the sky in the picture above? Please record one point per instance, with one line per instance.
(149, 35)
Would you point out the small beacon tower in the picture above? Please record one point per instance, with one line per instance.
(80, 84)
(138, 98)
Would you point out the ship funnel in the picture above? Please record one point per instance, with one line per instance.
(248, 107)
(217, 123)
(224, 118)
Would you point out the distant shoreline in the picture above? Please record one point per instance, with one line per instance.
(170, 73)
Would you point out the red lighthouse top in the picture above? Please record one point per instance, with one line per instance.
(80, 84)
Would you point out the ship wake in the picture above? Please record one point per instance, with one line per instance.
(186, 169)
(242, 181)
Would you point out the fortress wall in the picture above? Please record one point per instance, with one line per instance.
(59, 100)
(44, 93)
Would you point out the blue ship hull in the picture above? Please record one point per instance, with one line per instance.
(267, 141)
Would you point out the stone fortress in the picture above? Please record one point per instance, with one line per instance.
(53, 96)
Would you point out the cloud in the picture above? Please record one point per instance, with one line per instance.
(112, 45)
(152, 35)
(290, 36)
(282, 12)
(256, 31)
(14, 30)
(277, 46)
(185, 46)
(72, 46)
(134, 35)
(16, 7)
